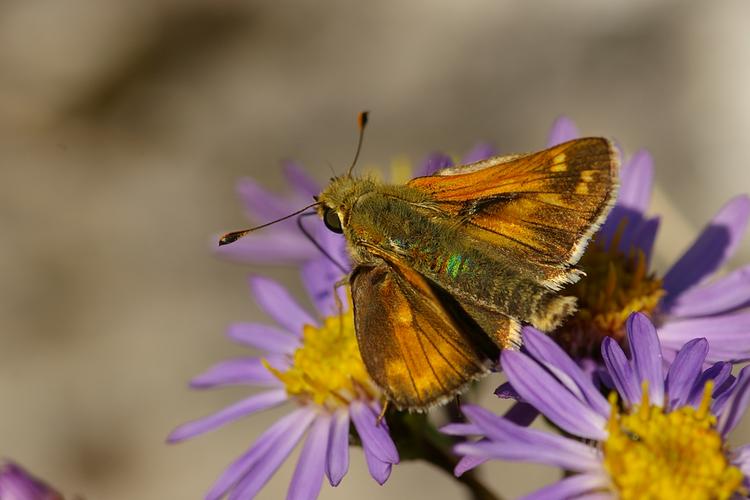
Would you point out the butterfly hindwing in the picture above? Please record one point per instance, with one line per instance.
(418, 350)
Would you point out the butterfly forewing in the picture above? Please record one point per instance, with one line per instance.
(541, 208)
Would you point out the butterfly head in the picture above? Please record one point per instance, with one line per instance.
(337, 200)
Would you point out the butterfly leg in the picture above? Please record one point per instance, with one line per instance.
(340, 305)
(382, 413)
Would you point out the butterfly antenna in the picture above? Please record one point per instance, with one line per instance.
(362, 122)
(236, 235)
(330, 167)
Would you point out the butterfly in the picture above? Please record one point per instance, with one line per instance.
(447, 267)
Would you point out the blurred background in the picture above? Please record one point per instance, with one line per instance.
(124, 127)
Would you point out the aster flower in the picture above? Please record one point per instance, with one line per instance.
(315, 365)
(17, 484)
(660, 434)
(685, 302)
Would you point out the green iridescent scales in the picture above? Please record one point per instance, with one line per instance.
(456, 264)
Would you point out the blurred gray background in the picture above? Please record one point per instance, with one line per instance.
(125, 125)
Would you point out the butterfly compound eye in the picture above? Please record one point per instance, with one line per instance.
(332, 221)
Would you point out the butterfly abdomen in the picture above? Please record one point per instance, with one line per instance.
(498, 286)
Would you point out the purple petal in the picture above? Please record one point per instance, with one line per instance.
(725, 385)
(468, 463)
(722, 396)
(275, 300)
(379, 470)
(330, 266)
(261, 471)
(374, 435)
(551, 355)
(621, 372)
(263, 337)
(304, 185)
(741, 459)
(522, 414)
(645, 236)
(261, 204)
(684, 371)
(320, 280)
(627, 236)
(720, 373)
(727, 293)
(274, 246)
(460, 429)
(503, 430)
(533, 453)
(647, 359)
(291, 426)
(716, 244)
(335, 246)
(637, 180)
(506, 391)
(728, 336)
(247, 406)
(563, 130)
(308, 476)
(548, 396)
(18, 484)
(313, 230)
(571, 487)
(337, 462)
(433, 163)
(737, 403)
(479, 152)
(235, 371)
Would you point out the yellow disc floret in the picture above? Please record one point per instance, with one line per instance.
(327, 368)
(654, 454)
(616, 284)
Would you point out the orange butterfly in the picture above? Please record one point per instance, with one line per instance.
(448, 266)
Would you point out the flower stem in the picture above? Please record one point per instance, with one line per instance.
(417, 439)
(469, 479)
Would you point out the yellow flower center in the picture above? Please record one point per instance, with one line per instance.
(327, 368)
(653, 454)
(616, 284)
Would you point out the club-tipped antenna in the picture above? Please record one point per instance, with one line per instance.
(236, 235)
(362, 122)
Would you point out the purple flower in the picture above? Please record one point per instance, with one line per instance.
(662, 434)
(313, 363)
(17, 484)
(685, 302)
